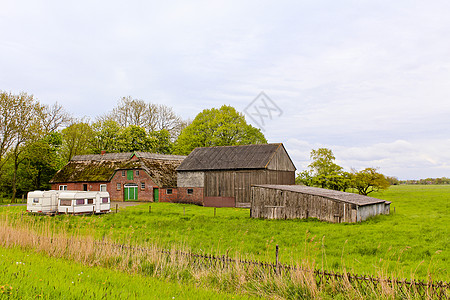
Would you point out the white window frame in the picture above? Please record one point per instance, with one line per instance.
(103, 187)
(142, 185)
(137, 172)
(63, 187)
(119, 186)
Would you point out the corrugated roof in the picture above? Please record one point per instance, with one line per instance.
(331, 194)
(101, 168)
(229, 157)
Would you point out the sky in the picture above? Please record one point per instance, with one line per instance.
(368, 79)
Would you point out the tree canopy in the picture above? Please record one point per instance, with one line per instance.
(325, 173)
(218, 127)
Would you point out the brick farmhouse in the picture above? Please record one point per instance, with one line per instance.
(139, 176)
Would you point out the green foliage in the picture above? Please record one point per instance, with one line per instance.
(325, 173)
(135, 138)
(163, 143)
(369, 180)
(76, 140)
(106, 136)
(217, 127)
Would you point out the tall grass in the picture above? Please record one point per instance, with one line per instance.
(46, 238)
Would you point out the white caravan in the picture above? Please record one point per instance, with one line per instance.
(77, 202)
(45, 202)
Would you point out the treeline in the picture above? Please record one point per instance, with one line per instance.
(325, 173)
(36, 140)
(442, 180)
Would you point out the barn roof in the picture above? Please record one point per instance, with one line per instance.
(357, 199)
(233, 157)
(96, 167)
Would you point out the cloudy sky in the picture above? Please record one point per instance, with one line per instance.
(368, 79)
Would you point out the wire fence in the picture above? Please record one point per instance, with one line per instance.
(363, 283)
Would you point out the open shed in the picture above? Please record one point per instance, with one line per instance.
(297, 201)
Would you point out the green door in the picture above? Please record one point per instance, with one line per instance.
(130, 174)
(130, 192)
(156, 195)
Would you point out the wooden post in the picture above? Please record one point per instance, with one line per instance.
(21, 217)
(117, 206)
(394, 209)
(184, 211)
(149, 209)
(214, 212)
(67, 210)
(93, 210)
(276, 254)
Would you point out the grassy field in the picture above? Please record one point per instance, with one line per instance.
(30, 275)
(410, 243)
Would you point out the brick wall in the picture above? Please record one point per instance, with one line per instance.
(144, 194)
(165, 197)
(195, 198)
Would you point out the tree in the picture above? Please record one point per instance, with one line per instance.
(217, 127)
(152, 117)
(369, 180)
(76, 139)
(324, 172)
(135, 138)
(106, 136)
(162, 143)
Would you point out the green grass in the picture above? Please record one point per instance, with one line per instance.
(410, 243)
(30, 275)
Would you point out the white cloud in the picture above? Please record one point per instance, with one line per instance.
(404, 159)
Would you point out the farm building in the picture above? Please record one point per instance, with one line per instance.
(297, 201)
(133, 176)
(223, 176)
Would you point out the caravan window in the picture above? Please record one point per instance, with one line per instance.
(105, 200)
(35, 200)
(80, 201)
(90, 201)
(65, 202)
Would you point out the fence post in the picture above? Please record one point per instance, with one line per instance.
(276, 258)
(117, 205)
(149, 209)
(214, 212)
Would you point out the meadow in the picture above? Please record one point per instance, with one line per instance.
(30, 275)
(412, 242)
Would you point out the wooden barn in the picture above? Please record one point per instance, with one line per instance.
(223, 176)
(137, 176)
(297, 201)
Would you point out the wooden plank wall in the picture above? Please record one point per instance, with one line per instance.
(281, 161)
(238, 183)
(278, 204)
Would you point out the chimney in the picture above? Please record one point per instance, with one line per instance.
(103, 152)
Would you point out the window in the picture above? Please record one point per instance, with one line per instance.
(35, 200)
(84, 187)
(124, 173)
(137, 172)
(90, 201)
(142, 185)
(65, 202)
(80, 201)
(102, 187)
(118, 186)
(63, 187)
(169, 191)
(105, 200)
(190, 191)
